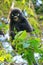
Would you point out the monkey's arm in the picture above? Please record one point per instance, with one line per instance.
(27, 26)
(12, 34)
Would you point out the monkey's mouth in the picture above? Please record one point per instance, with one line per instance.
(15, 18)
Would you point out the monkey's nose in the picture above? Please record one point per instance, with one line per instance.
(15, 17)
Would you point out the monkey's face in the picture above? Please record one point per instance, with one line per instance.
(15, 15)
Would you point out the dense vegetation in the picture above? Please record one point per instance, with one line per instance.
(24, 44)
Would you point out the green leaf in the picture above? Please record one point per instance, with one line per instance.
(21, 35)
(26, 45)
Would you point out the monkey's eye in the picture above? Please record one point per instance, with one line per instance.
(12, 15)
(18, 15)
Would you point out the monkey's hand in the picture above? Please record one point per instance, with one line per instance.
(12, 34)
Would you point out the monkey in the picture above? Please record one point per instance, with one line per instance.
(18, 21)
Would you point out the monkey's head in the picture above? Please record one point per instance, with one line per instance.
(15, 15)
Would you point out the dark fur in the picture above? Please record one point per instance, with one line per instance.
(20, 25)
(1, 33)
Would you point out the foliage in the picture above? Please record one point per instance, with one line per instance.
(4, 27)
(26, 46)
(40, 17)
(23, 44)
(5, 56)
(41, 60)
(35, 25)
(4, 7)
(39, 9)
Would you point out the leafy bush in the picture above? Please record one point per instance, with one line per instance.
(26, 46)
